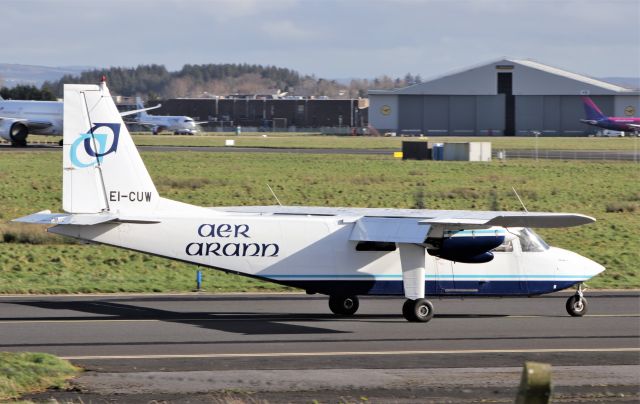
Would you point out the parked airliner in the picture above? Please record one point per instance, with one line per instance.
(595, 117)
(179, 125)
(19, 118)
(109, 198)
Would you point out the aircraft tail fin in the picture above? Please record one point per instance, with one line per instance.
(591, 110)
(102, 169)
(140, 105)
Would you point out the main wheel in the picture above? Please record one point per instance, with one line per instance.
(417, 311)
(344, 305)
(576, 306)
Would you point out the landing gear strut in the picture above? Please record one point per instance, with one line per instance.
(417, 311)
(344, 305)
(577, 304)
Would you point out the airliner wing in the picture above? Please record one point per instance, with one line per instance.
(137, 111)
(633, 125)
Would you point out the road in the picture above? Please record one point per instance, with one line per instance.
(611, 155)
(287, 347)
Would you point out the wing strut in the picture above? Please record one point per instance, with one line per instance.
(412, 260)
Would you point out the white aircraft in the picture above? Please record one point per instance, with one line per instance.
(179, 125)
(109, 198)
(19, 118)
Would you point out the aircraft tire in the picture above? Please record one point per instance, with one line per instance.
(576, 306)
(344, 305)
(417, 311)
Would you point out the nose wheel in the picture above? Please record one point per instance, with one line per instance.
(577, 304)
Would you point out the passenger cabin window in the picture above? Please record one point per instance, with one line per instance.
(530, 241)
(506, 246)
(375, 246)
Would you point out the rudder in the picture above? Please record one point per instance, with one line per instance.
(102, 169)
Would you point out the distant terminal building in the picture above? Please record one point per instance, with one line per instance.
(506, 97)
(269, 113)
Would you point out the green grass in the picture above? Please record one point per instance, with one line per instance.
(288, 140)
(34, 262)
(28, 372)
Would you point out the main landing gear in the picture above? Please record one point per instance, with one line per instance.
(417, 311)
(577, 304)
(344, 305)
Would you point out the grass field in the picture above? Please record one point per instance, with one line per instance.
(279, 140)
(35, 262)
(28, 372)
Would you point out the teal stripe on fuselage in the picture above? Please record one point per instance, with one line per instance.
(430, 277)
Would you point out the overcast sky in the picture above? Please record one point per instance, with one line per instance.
(329, 38)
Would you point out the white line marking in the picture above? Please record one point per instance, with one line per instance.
(357, 353)
(274, 318)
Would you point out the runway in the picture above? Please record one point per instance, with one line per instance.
(606, 155)
(272, 340)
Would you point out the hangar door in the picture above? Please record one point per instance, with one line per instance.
(410, 112)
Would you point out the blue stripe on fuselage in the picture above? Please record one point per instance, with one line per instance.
(375, 286)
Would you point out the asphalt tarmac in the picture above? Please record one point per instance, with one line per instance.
(607, 155)
(289, 348)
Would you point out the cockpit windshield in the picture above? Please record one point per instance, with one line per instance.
(530, 241)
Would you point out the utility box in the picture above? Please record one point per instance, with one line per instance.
(416, 151)
(437, 151)
(472, 151)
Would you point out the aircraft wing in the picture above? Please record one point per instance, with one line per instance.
(442, 218)
(633, 125)
(137, 111)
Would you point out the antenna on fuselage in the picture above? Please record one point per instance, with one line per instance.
(518, 196)
(274, 194)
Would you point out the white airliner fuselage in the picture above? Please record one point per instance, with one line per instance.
(110, 198)
(19, 118)
(179, 125)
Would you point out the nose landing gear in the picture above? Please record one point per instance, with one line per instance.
(577, 304)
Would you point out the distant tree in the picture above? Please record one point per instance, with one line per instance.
(25, 92)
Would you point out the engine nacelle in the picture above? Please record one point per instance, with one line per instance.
(15, 131)
(469, 247)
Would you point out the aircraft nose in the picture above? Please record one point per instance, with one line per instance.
(591, 267)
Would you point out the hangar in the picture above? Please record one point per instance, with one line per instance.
(505, 97)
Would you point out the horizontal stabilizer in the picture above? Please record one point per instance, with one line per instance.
(390, 230)
(46, 217)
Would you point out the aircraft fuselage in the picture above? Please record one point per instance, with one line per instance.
(316, 254)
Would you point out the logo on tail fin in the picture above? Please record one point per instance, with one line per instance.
(95, 145)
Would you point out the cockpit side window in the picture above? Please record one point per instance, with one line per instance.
(530, 241)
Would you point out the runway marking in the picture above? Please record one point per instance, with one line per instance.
(356, 353)
(275, 318)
